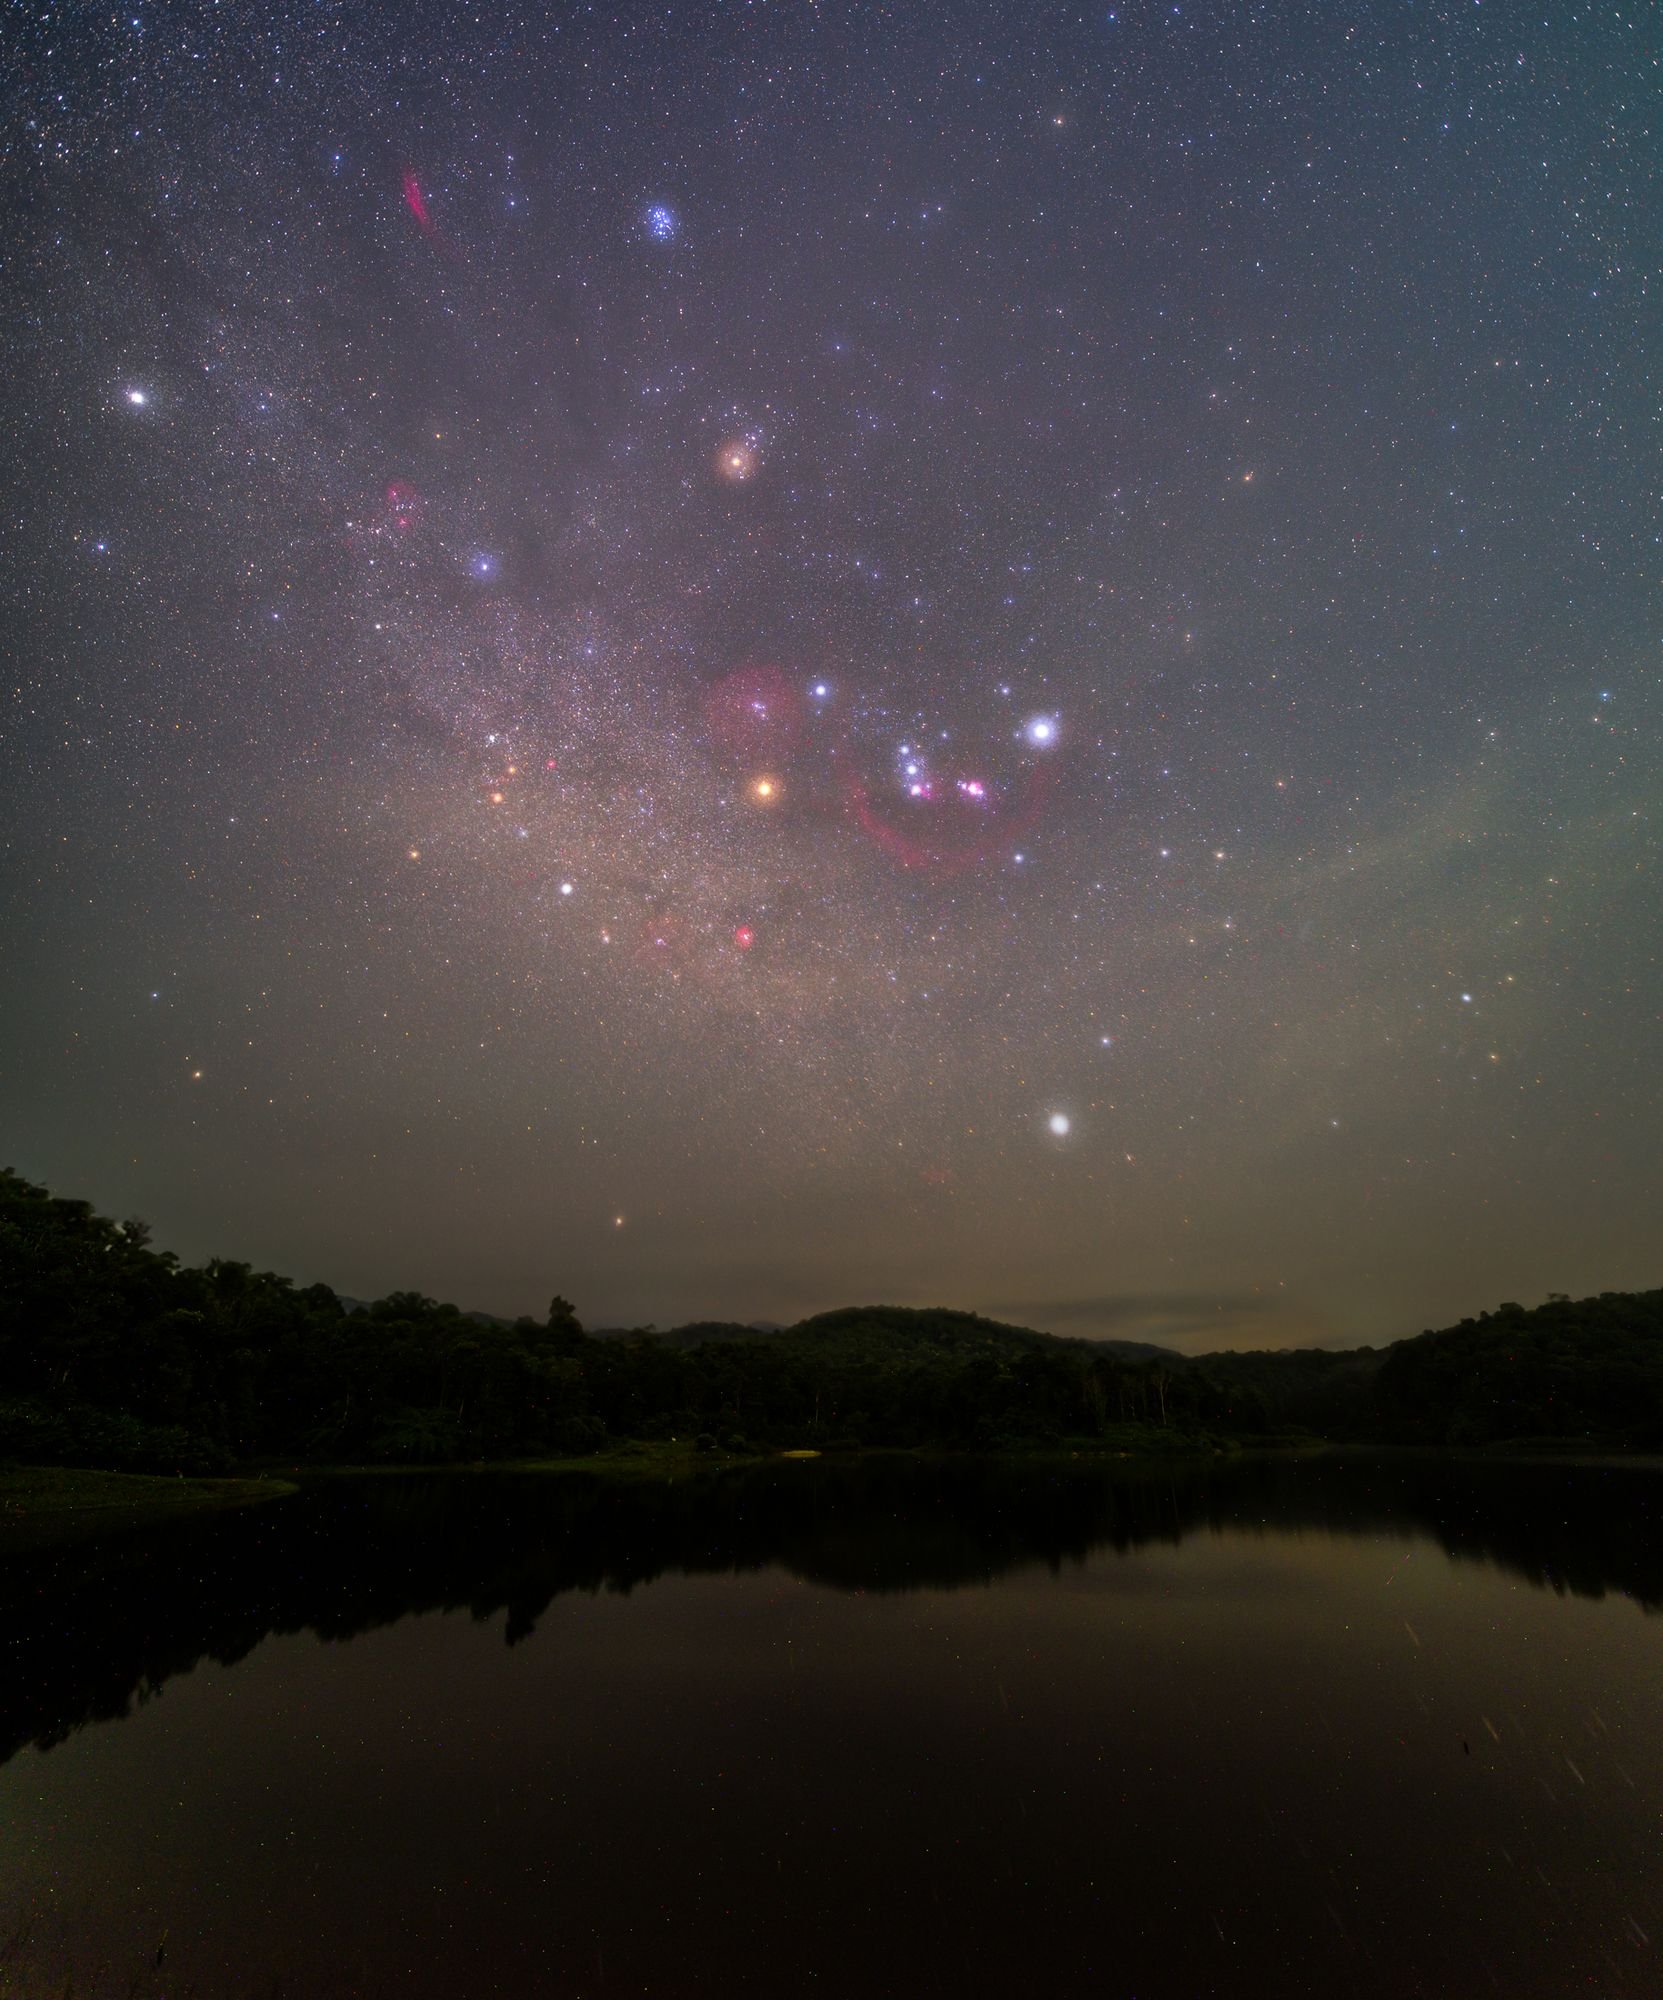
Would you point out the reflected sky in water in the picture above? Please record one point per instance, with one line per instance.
(882, 1728)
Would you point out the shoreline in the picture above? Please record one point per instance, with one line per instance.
(51, 1506)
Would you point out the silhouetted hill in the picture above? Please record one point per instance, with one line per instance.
(1141, 1350)
(923, 1333)
(1568, 1369)
(1576, 1370)
(695, 1334)
(112, 1355)
(353, 1305)
(850, 1329)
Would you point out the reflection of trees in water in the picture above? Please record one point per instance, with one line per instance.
(90, 1631)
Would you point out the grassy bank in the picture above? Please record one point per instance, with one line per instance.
(681, 1458)
(46, 1505)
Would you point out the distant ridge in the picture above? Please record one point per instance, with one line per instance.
(972, 1327)
(114, 1356)
(933, 1326)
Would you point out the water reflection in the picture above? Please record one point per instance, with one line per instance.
(89, 1633)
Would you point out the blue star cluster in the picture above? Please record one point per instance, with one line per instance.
(769, 656)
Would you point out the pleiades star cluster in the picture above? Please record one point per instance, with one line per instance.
(738, 658)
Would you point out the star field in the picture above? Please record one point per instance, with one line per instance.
(746, 658)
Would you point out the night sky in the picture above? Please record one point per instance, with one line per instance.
(740, 658)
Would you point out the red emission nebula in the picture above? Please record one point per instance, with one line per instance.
(755, 718)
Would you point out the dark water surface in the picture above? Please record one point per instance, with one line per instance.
(1374, 1727)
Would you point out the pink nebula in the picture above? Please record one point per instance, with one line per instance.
(404, 505)
(967, 829)
(416, 202)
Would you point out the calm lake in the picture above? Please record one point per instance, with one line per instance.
(1330, 1727)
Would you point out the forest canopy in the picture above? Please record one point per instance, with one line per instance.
(114, 1354)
